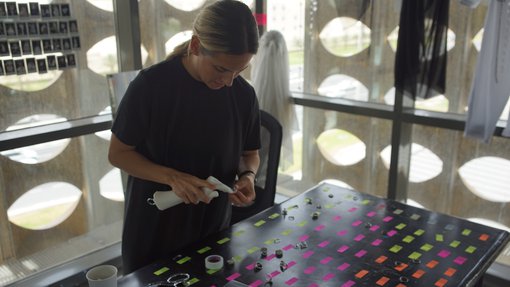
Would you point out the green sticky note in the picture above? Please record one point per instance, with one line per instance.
(274, 215)
(400, 226)
(466, 232)
(396, 248)
(419, 232)
(269, 241)
(259, 223)
(398, 211)
(204, 250)
(302, 223)
(161, 271)
(212, 271)
(286, 232)
(415, 255)
(193, 281)
(426, 247)
(365, 202)
(329, 206)
(471, 249)
(237, 258)
(408, 239)
(439, 237)
(184, 260)
(238, 233)
(252, 250)
(415, 216)
(455, 244)
(223, 241)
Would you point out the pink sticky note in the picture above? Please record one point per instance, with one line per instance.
(371, 214)
(320, 227)
(308, 254)
(250, 267)
(328, 277)
(274, 274)
(444, 253)
(326, 260)
(309, 270)
(323, 244)
(233, 276)
(343, 248)
(387, 219)
(376, 242)
(256, 283)
(290, 264)
(391, 233)
(290, 246)
(360, 253)
(336, 218)
(357, 223)
(374, 227)
(343, 266)
(341, 232)
(359, 237)
(348, 284)
(460, 260)
(304, 237)
(271, 256)
(291, 281)
(353, 209)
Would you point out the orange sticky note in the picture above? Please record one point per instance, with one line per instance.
(432, 264)
(361, 274)
(381, 259)
(450, 272)
(441, 282)
(382, 281)
(418, 274)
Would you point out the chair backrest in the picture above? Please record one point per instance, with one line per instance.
(265, 187)
(118, 84)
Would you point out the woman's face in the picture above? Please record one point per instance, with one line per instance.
(219, 69)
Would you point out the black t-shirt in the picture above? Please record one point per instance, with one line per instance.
(176, 121)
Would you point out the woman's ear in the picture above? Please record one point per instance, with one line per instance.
(194, 46)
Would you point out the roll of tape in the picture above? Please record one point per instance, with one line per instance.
(214, 262)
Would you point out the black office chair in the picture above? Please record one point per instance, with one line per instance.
(265, 187)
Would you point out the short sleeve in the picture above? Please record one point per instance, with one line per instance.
(252, 141)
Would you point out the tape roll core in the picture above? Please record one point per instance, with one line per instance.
(214, 262)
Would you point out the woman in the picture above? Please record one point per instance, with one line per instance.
(181, 121)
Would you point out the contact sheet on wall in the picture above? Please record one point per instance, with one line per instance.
(36, 38)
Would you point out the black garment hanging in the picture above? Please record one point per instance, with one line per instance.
(420, 65)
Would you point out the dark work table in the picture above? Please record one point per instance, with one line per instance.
(332, 236)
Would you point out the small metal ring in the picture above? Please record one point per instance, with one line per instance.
(178, 278)
(150, 201)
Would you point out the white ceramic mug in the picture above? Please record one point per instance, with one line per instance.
(102, 276)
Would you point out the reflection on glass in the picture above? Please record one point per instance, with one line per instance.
(477, 40)
(186, 5)
(425, 164)
(106, 134)
(44, 206)
(438, 103)
(343, 86)
(110, 186)
(488, 178)
(106, 5)
(345, 36)
(340, 147)
(40, 152)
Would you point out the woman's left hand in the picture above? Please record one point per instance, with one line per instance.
(244, 191)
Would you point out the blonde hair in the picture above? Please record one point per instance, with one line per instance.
(225, 26)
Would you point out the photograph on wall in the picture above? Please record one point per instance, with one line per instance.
(66, 44)
(31, 67)
(34, 8)
(76, 43)
(15, 48)
(26, 48)
(4, 48)
(41, 66)
(53, 27)
(1, 68)
(43, 28)
(9, 67)
(46, 43)
(2, 29)
(55, 10)
(32, 28)
(36, 47)
(23, 10)
(21, 28)
(20, 67)
(10, 29)
(63, 28)
(45, 11)
(57, 45)
(61, 62)
(65, 10)
(71, 60)
(3, 11)
(73, 26)
(12, 9)
(52, 62)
